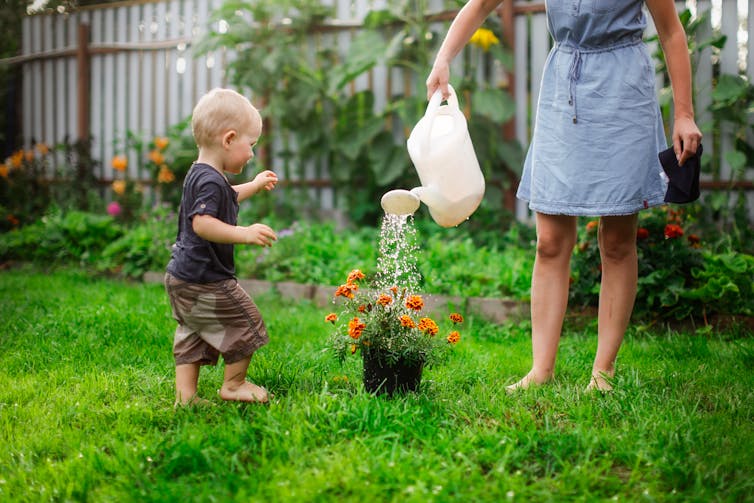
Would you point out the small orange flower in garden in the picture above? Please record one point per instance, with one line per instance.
(642, 233)
(355, 327)
(362, 308)
(29, 155)
(428, 325)
(406, 321)
(673, 231)
(332, 318)
(17, 158)
(354, 275)
(161, 142)
(156, 157)
(42, 148)
(415, 302)
(484, 38)
(119, 187)
(165, 175)
(4, 169)
(119, 163)
(456, 318)
(454, 337)
(394, 289)
(384, 300)
(592, 225)
(13, 220)
(346, 290)
(694, 241)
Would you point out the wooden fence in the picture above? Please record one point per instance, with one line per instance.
(129, 66)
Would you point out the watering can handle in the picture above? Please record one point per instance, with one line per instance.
(431, 113)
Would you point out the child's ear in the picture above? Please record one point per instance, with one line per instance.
(229, 137)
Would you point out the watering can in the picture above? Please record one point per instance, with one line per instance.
(452, 185)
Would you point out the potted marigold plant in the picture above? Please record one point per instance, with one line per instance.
(390, 332)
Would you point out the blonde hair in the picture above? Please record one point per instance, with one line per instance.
(221, 110)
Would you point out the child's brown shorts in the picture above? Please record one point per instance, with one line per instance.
(213, 319)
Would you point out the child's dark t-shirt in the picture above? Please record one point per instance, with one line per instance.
(194, 259)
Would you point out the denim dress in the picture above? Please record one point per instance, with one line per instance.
(598, 127)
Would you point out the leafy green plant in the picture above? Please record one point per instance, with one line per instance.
(388, 323)
(74, 237)
(24, 194)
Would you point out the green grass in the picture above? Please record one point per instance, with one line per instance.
(86, 413)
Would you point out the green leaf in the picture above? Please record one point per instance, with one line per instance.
(493, 103)
(387, 160)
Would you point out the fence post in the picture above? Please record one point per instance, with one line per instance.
(507, 19)
(83, 84)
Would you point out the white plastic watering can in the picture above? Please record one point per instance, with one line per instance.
(441, 150)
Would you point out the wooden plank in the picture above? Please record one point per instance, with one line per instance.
(172, 61)
(96, 85)
(120, 90)
(107, 131)
(134, 87)
(188, 77)
(201, 78)
(160, 90)
(37, 78)
(148, 68)
(73, 78)
(702, 69)
(521, 73)
(728, 64)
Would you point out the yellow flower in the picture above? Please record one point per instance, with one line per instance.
(454, 337)
(42, 148)
(161, 142)
(119, 163)
(4, 170)
(119, 187)
(165, 175)
(484, 38)
(156, 157)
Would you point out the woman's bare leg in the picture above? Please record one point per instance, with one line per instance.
(556, 237)
(617, 241)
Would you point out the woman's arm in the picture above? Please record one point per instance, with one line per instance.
(468, 20)
(686, 134)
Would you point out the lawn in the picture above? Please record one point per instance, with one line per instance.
(86, 412)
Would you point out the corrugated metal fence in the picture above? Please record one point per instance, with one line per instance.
(144, 76)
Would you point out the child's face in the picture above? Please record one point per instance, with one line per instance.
(239, 149)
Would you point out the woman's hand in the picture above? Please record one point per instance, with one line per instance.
(438, 79)
(686, 139)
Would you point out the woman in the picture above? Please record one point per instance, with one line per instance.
(593, 152)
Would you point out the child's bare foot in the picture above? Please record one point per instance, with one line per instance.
(194, 401)
(600, 381)
(246, 392)
(529, 380)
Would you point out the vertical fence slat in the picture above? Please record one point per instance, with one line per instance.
(133, 94)
(27, 71)
(161, 70)
(703, 78)
(521, 72)
(72, 78)
(121, 85)
(148, 79)
(96, 82)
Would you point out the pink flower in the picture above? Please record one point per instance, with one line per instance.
(114, 209)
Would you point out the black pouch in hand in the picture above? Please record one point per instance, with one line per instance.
(683, 186)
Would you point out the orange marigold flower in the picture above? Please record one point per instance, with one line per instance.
(642, 233)
(415, 302)
(16, 159)
(406, 321)
(13, 220)
(673, 231)
(592, 225)
(346, 290)
(156, 157)
(355, 275)
(332, 317)
(29, 155)
(362, 308)
(454, 337)
(165, 175)
(394, 289)
(119, 187)
(456, 318)
(355, 327)
(694, 240)
(384, 300)
(119, 163)
(428, 325)
(161, 142)
(42, 148)
(4, 169)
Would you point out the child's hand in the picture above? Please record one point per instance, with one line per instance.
(259, 234)
(266, 180)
